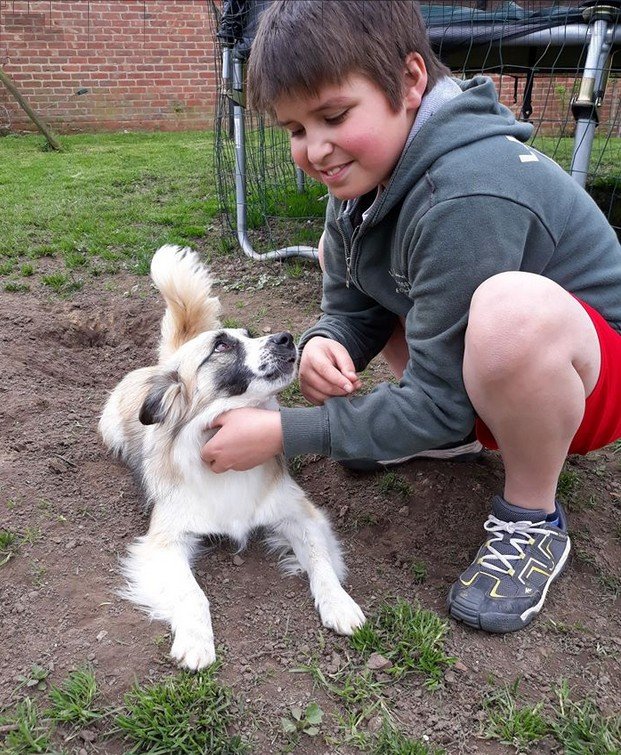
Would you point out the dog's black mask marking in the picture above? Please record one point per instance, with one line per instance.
(234, 377)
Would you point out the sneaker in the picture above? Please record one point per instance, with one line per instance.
(467, 449)
(505, 586)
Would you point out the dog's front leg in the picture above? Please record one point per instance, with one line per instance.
(161, 581)
(318, 553)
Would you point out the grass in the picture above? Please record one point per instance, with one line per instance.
(579, 728)
(9, 545)
(25, 732)
(605, 156)
(106, 202)
(393, 483)
(72, 702)
(390, 741)
(184, 714)
(411, 638)
(510, 723)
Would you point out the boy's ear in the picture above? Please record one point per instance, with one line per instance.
(415, 80)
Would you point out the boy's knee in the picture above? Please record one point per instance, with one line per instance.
(513, 317)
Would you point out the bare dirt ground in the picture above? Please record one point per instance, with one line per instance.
(80, 510)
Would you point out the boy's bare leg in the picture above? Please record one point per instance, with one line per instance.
(532, 358)
(395, 352)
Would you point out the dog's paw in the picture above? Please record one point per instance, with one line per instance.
(193, 648)
(340, 613)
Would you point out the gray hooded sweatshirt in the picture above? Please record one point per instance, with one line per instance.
(467, 199)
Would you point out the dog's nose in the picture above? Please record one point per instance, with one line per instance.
(282, 339)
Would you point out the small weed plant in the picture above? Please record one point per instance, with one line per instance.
(391, 483)
(306, 721)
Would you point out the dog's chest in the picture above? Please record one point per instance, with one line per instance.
(231, 504)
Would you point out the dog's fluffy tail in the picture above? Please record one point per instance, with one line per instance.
(185, 284)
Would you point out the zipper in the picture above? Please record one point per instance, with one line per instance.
(347, 253)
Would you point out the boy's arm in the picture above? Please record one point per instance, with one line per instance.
(451, 251)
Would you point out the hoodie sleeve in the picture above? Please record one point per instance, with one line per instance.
(449, 252)
(349, 316)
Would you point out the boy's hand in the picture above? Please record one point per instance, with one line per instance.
(326, 370)
(245, 439)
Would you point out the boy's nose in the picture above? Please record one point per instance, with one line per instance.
(317, 150)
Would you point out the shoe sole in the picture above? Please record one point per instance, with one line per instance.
(461, 609)
(467, 452)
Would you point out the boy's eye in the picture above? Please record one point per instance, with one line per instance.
(334, 120)
(297, 132)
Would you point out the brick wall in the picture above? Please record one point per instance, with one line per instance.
(108, 64)
(87, 65)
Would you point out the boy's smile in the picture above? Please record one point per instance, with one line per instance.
(348, 136)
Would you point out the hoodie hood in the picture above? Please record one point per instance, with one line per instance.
(457, 124)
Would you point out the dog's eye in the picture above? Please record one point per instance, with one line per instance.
(221, 346)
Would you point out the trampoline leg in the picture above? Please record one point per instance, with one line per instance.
(239, 128)
(585, 105)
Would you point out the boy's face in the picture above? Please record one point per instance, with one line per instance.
(348, 136)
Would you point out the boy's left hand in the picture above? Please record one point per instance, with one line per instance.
(245, 439)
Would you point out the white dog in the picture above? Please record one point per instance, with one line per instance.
(157, 419)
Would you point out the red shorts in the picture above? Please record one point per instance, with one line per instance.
(601, 423)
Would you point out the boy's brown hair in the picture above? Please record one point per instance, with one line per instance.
(302, 45)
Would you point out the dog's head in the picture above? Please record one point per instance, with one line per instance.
(216, 371)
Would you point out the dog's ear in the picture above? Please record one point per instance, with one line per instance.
(165, 395)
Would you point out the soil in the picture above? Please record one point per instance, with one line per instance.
(78, 510)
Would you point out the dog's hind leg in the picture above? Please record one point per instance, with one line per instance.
(317, 552)
(160, 580)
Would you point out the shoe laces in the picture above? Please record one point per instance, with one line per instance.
(520, 534)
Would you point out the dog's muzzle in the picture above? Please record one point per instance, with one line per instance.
(280, 355)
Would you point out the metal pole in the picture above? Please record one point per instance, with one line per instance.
(585, 106)
(308, 252)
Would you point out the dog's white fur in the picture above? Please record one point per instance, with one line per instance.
(178, 398)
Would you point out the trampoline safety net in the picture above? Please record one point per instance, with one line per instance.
(557, 65)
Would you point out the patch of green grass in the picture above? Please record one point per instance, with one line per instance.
(581, 728)
(116, 197)
(411, 638)
(15, 287)
(72, 702)
(9, 545)
(510, 723)
(605, 156)
(391, 741)
(61, 283)
(183, 714)
(419, 571)
(391, 482)
(25, 733)
(567, 486)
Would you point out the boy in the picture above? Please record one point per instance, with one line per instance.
(490, 279)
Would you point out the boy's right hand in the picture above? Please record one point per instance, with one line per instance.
(326, 370)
